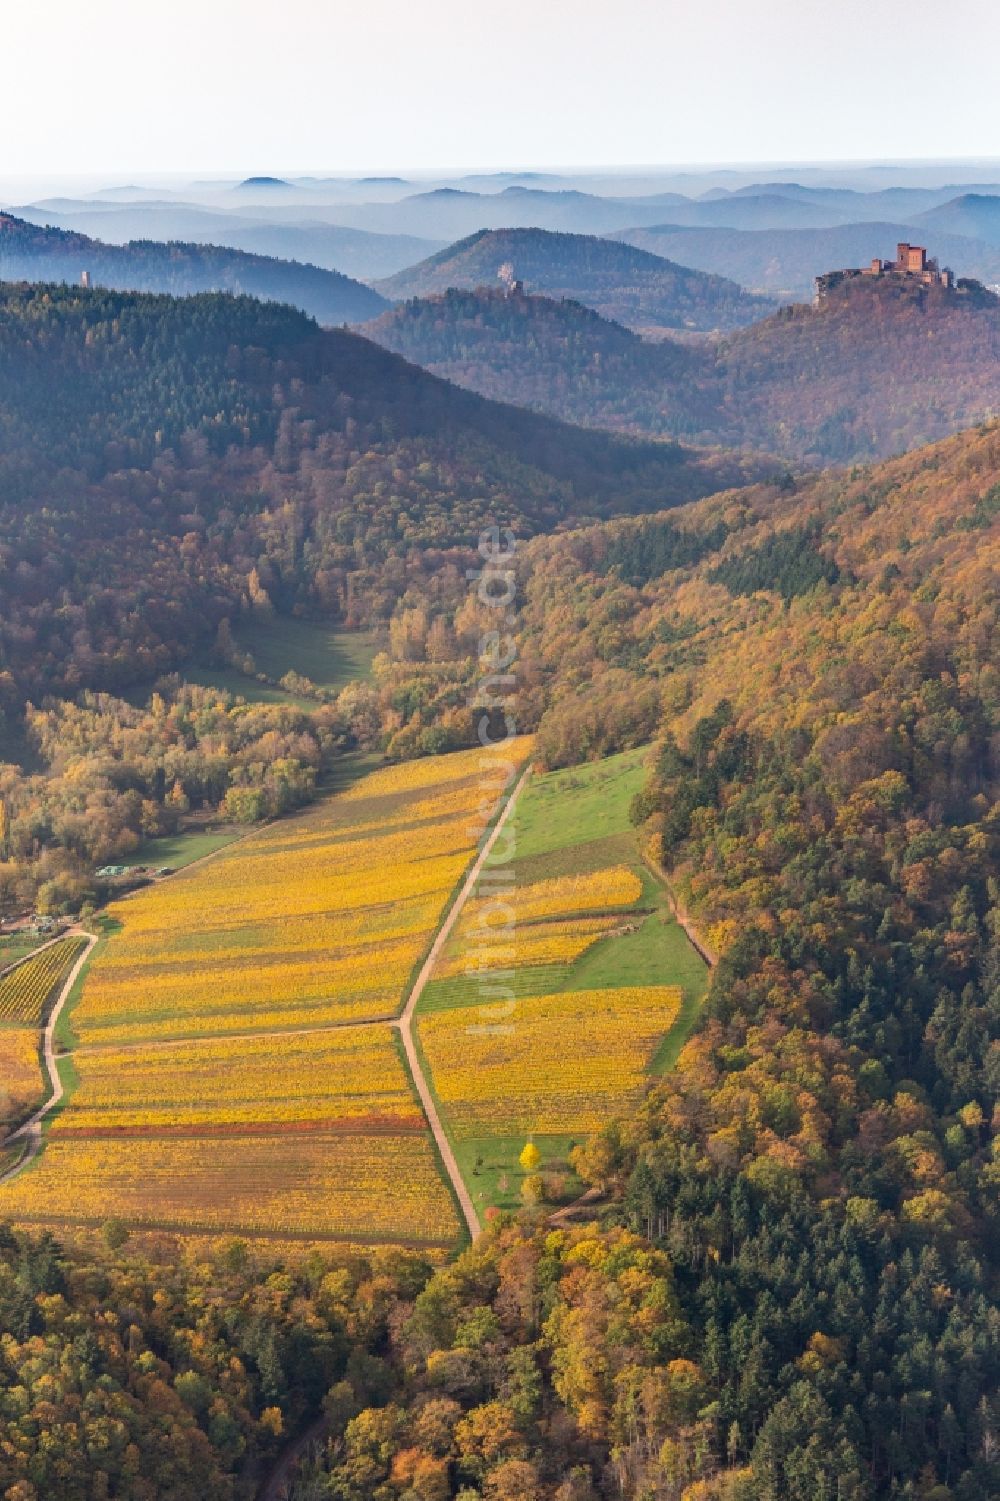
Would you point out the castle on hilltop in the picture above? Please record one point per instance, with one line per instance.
(509, 280)
(912, 263)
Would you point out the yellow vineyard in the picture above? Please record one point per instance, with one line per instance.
(362, 1187)
(544, 922)
(565, 986)
(20, 1077)
(550, 1063)
(341, 1074)
(25, 989)
(239, 1059)
(317, 920)
(615, 887)
(236, 1065)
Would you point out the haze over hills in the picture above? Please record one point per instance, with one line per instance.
(976, 215)
(354, 252)
(850, 205)
(31, 253)
(376, 226)
(877, 367)
(453, 212)
(627, 284)
(758, 210)
(785, 262)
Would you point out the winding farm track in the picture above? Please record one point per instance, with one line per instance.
(405, 1022)
(31, 1131)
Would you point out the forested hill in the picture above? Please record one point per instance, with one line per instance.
(876, 368)
(29, 252)
(553, 356)
(822, 666)
(631, 286)
(155, 453)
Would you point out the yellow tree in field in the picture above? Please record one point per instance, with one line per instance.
(530, 1158)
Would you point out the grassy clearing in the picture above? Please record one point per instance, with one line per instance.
(178, 850)
(228, 680)
(490, 1168)
(578, 805)
(329, 657)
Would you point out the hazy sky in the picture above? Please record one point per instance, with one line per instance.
(125, 87)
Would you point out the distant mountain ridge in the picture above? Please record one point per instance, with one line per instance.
(456, 212)
(31, 253)
(358, 253)
(974, 214)
(783, 262)
(623, 283)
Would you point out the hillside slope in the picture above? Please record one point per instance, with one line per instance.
(31, 253)
(824, 796)
(819, 667)
(620, 282)
(164, 461)
(876, 368)
(556, 357)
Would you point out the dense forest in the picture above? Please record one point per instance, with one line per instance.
(554, 356)
(629, 285)
(165, 462)
(128, 1373)
(29, 252)
(876, 368)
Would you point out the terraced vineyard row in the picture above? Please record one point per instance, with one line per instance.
(26, 989)
(553, 1064)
